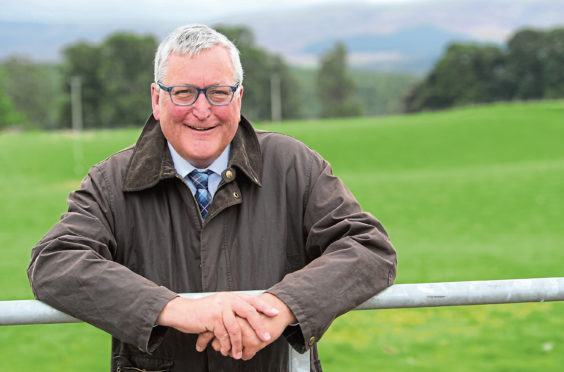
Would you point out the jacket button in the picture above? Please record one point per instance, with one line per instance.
(229, 174)
(311, 341)
(236, 195)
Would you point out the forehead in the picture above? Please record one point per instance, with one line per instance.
(210, 66)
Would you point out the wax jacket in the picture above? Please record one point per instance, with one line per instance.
(133, 238)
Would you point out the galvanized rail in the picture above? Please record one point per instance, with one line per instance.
(397, 296)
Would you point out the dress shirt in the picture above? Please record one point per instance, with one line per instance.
(183, 168)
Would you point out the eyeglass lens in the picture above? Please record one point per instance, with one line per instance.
(186, 95)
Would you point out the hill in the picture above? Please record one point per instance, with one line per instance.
(406, 36)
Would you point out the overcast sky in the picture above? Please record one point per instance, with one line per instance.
(72, 11)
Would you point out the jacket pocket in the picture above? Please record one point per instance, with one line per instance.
(142, 363)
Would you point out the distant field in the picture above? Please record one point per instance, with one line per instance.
(468, 194)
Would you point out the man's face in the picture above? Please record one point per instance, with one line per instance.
(199, 132)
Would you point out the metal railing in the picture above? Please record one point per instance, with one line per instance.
(397, 296)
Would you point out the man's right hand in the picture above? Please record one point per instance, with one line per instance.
(251, 343)
(216, 315)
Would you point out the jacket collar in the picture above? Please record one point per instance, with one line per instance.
(151, 161)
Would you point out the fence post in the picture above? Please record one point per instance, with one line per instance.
(298, 362)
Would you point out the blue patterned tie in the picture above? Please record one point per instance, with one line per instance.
(203, 196)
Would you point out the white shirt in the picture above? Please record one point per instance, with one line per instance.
(183, 168)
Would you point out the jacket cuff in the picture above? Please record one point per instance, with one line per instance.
(154, 336)
(299, 336)
(295, 337)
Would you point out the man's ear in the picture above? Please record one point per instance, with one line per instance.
(155, 102)
(239, 98)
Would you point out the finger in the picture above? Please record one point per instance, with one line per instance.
(249, 313)
(234, 331)
(247, 354)
(251, 344)
(222, 336)
(225, 345)
(260, 305)
(246, 311)
(216, 345)
(203, 340)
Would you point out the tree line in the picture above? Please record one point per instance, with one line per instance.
(529, 67)
(116, 74)
(115, 77)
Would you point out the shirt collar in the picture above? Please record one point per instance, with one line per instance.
(183, 166)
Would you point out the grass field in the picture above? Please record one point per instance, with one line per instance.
(468, 194)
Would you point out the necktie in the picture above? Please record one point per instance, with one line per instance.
(203, 196)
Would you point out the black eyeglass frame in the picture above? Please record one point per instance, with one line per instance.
(199, 90)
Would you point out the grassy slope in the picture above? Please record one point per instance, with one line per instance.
(467, 194)
(39, 170)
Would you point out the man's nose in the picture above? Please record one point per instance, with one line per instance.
(201, 108)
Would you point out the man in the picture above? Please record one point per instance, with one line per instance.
(204, 203)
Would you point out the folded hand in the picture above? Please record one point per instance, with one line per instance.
(251, 342)
(218, 316)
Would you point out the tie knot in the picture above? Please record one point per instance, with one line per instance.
(200, 179)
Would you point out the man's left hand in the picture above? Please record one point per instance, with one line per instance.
(251, 342)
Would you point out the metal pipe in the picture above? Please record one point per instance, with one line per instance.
(24, 312)
(397, 296)
(467, 293)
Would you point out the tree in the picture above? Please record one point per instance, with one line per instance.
(335, 87)
(34, 90)
(530, 67)
(83, 60)
(126, 71)
(8, 114)
(535, 60)
(526, 54)
(465, 74)
(116, 77)
(289, 88)
(259, 67)
(553, 66)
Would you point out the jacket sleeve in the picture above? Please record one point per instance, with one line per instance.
(72, 269)
(353, 259)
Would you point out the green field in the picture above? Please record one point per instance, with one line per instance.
(468, 194)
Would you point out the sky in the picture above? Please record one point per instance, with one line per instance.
(95, 11)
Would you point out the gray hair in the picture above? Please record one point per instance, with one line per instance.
(191, 40)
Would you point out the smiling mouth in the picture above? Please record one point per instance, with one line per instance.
(199, 129)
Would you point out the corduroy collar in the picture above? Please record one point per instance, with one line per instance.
(151, 161)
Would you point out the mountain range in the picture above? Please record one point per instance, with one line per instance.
(391, 37)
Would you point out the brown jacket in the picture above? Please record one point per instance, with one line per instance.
(133, 238)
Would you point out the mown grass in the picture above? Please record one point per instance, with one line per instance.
(468, 194)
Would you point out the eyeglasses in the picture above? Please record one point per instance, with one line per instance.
(186, 95)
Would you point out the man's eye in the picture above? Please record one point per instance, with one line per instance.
(219, 92)
(180, 92)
